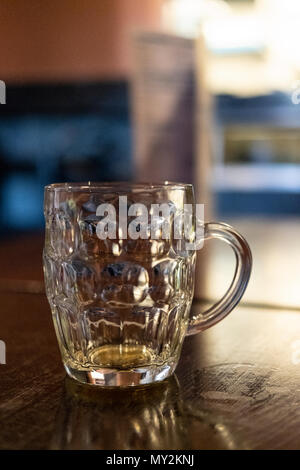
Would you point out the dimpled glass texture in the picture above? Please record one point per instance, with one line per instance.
(120, 306)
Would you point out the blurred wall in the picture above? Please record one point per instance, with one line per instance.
(70, 39)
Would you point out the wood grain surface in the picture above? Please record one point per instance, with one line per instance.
(237, 385)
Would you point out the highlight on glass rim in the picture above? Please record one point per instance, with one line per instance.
(149, 238)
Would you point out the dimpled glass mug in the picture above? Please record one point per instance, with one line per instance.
(121, 305)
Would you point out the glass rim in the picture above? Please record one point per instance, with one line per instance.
(91, 186)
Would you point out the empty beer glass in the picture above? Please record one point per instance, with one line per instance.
(119, 277)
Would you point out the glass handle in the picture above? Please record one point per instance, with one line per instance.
(223, 307)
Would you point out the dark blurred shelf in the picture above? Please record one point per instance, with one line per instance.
(73, 97)
(273, 109)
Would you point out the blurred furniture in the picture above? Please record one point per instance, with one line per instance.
(170, 111)
(52, 133)
(163, 104)
(256, 155)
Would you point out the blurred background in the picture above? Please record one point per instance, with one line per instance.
(203, 91)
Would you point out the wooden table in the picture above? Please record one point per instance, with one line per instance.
(237, 385)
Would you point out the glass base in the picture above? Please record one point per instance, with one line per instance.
(105, 377)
